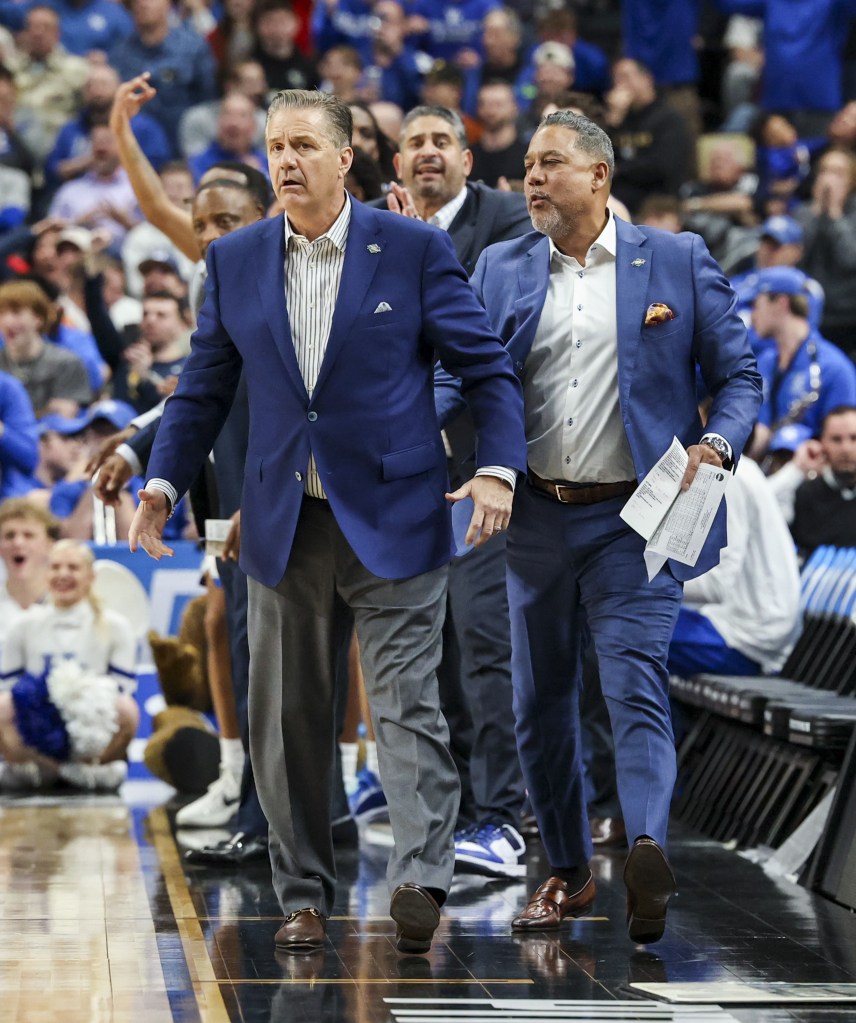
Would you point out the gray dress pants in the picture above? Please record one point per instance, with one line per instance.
(295, 631)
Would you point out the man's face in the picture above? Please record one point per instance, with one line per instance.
(496, 106)
(219, 211)
(161, 277)
(100, 87)
(365, 133)
(70, 576)
(19, 324)
(767, 312)
(41, 33)
(250, 81)
(150, 13)
(341, 73)
(498, 39)
(839, 443)
(25, 548)
(431, 162)
(162, 323)
(57, 453)
(178, 185)
(551, 79)
(105, 154)
(560, 181)
(772, 253)
(306, 169)
(833, 173)
(276, 30)
(236, 124)
(725, 167)
(390, 25)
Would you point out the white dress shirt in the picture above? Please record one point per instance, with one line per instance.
(574, 429)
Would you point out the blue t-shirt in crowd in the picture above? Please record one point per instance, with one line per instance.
(660, 34)
(182, 70)
(73, 140)
(453, 25)
(94, 25)
(19, 445)
(82, 344)
(350, 23)
(782, 390)
(803, 50)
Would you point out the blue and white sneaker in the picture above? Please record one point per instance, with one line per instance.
(493, 849)
(367, 801)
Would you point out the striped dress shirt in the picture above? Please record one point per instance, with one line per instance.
(313, 273)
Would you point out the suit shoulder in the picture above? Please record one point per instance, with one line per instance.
(657, 238)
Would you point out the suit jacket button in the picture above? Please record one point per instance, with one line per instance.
(312, 416)
(298, 477)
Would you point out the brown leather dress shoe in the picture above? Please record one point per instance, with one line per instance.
(650, 884)
(301, 931)
(551, 903)
(416, 913)
(607, 831)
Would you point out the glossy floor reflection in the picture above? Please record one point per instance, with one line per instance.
(103, 920)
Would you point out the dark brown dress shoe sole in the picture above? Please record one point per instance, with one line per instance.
(416, 914)
(552, 903)
(301, 931)
(650, 884)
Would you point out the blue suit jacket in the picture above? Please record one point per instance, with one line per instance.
(656, 365)
(371, 421)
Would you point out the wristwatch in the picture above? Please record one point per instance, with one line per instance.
(721, 447)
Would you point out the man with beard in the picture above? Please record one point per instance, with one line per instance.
(606, 325)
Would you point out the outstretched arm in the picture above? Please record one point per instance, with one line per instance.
(156, 207)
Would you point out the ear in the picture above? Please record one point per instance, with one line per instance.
(468, 162)
(396, 163)
(346, 158)
(600, 176)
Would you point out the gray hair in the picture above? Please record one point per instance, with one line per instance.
(590, 138)
(444, 113)
(340, 123)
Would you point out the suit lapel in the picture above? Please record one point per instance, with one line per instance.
(270, 281)
(632, 272)
(361, 264)
(533, 279)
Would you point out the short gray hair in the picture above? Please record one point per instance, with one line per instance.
(445, 114)
(340, 123)
(590, 137)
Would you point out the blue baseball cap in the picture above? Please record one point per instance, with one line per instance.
(781, 280)
(783, 230)
(59, 424)
(117, 413)
(789, 438)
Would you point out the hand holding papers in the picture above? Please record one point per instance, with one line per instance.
(675, 523)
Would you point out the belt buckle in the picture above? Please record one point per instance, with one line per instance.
(559, 490)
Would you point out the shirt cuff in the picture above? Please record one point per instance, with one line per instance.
(127, 452)
(719, 437)
(502, 472)
(165, 487)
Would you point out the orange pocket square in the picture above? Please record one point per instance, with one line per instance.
(658, 313)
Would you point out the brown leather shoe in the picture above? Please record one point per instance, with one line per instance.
(650, 884)
(415, 911)
(608, 831)
(551, 903)
(301, 931)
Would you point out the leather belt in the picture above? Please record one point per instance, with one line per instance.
(571, 493)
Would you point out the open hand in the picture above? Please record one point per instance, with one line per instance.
(492, 498)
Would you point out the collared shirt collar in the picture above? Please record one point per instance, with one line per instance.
(337, 233)
(446, 214)
(606, 240)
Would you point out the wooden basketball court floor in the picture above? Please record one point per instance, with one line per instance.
(103, 922)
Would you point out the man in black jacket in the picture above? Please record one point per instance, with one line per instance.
(475, 677)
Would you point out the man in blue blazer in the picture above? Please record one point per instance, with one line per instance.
(606, 325)
(335, 313)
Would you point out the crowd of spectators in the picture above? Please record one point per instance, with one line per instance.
(735, 119)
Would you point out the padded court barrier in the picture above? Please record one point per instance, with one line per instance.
(764, 751)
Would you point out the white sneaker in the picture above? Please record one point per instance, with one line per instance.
(95, 777)
(216, 808)
(491, 849)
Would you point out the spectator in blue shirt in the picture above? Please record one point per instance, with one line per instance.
(451, 29)
(72, 154)
(391, 71)
(803, 55)
(179, 62)
(236, 130)
(87, 25)
(16, 160)
(19, 447)
(343, 23)
(591, 64)
(804, 375)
